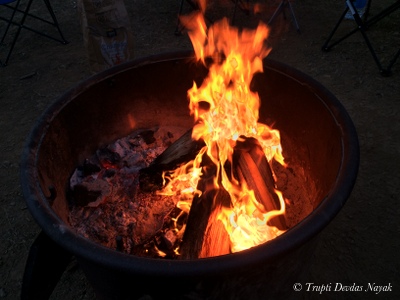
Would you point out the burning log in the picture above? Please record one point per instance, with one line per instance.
(205, 235)
(252, 167)
(181, 151)
(216, 240)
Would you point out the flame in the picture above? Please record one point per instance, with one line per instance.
(225, 110)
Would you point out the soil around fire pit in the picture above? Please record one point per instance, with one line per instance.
(361, 244)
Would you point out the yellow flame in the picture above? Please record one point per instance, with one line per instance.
(232, 111)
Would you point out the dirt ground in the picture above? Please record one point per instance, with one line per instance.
(360, 246)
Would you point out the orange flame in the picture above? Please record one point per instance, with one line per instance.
(224, 110)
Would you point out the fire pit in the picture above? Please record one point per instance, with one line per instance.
(316, 133)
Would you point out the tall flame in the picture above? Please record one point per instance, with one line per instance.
(225, 110)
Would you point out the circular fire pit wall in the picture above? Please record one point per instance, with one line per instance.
(316, 133)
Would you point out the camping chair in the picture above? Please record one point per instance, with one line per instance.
(194, 5)
(363, 23)
(11, 20)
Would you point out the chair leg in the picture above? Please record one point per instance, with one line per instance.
(294, 17)
(55, 22)
(21, 24)
(389, 67)
(178, 24)
(281, 8)
(10, 22)
(326, 47)
(276, 12)
(362, 27)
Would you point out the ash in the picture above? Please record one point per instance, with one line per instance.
(107, 205)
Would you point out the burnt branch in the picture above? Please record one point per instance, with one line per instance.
(181, 151)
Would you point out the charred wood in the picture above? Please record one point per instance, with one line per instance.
(181, 151)
(205, 234)
(252, 167)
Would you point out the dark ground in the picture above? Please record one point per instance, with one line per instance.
(361, 245)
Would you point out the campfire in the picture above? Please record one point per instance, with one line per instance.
(210, 192)
(147, 179)
(122, 107)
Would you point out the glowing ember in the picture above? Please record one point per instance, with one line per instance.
(225, 111)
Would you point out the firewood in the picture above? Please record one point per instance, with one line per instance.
(181, 151)
(205, 235)
(216, 239)
(252, 167)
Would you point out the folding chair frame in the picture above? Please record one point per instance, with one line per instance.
(21, 25)
(281, 9)
(362, 26)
